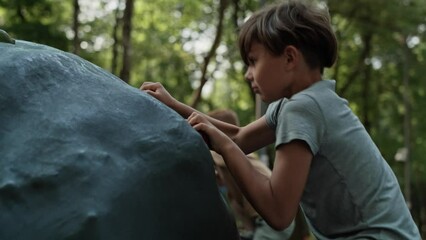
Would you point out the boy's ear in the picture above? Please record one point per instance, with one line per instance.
(291, 54)
(291, 57)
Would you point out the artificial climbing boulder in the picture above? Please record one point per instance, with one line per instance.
(83, 155)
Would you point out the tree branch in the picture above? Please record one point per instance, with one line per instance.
(219, 30)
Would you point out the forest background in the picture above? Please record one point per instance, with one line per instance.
(190, 46)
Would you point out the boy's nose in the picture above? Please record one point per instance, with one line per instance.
(248, 75)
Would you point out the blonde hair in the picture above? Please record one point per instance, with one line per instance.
(225, 115)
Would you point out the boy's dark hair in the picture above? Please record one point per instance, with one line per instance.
(292, 23)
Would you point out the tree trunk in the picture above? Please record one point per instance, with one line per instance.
(219, 29)
(20, 12)
(360, 64)
(407, 125)
(127, 48)
(115, 46)
(75, 27)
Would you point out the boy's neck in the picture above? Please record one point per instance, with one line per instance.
(306, 78)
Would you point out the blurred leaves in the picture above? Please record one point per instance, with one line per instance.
(170, 39)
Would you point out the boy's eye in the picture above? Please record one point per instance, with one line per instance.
(251, 61)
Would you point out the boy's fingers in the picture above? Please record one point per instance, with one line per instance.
(149, 86)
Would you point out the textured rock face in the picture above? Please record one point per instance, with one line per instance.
(85, 156)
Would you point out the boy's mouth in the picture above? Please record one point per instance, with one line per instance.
(255, 89)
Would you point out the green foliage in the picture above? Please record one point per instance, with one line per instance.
(171, 37)
(35, 21)
(388, 24)
(380, 42)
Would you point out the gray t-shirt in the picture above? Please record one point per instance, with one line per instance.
(351, 191)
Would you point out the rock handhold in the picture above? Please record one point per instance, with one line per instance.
(5, 38)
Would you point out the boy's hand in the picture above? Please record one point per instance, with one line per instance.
(213, 137)
(159, 92)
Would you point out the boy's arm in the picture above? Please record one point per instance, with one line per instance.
(157, 90)
(276, 198)
(248, 138)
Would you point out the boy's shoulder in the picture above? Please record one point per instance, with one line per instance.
(322, 93)
(321, 86)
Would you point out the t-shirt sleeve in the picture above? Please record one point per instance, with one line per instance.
(296, 119)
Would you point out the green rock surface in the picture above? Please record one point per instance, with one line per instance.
(83, 155)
